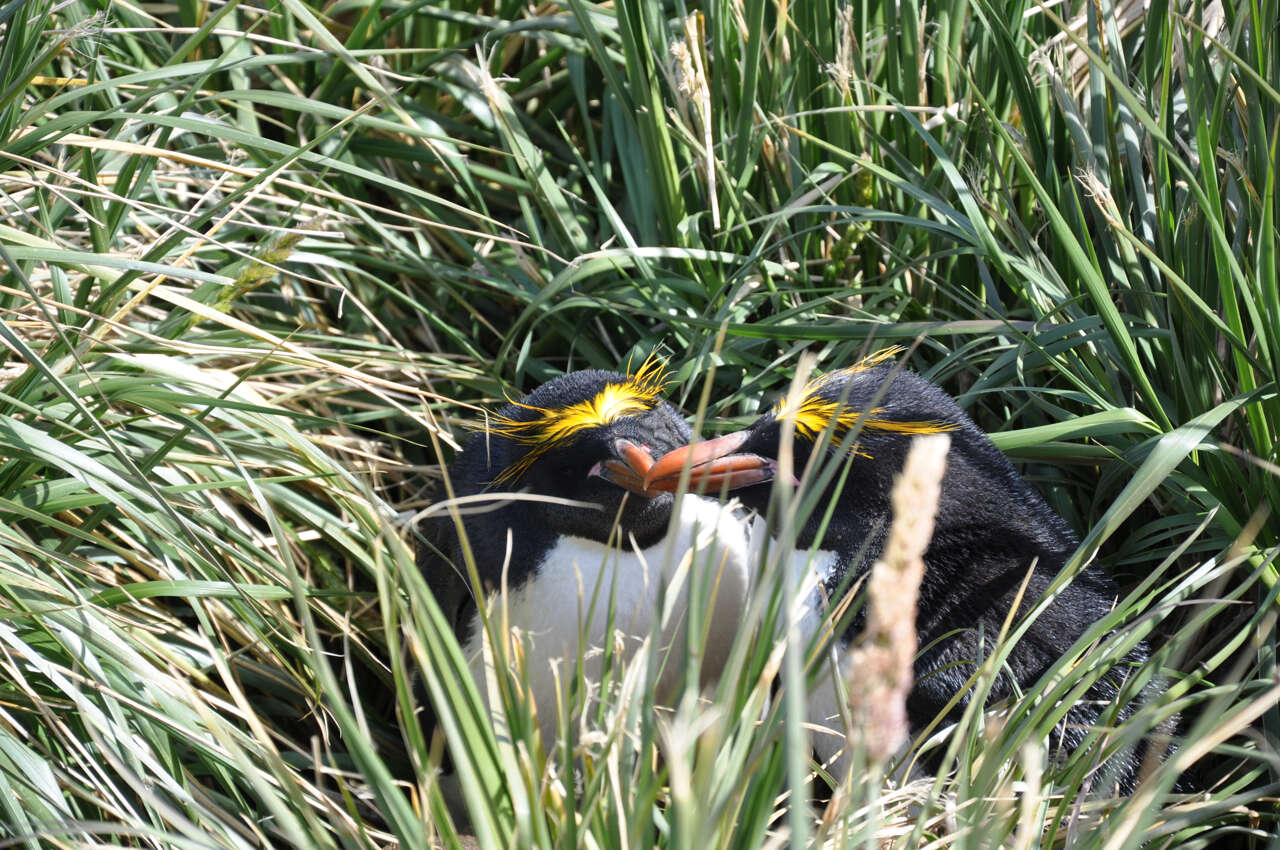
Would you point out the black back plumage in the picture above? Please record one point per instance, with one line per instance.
(991, 528)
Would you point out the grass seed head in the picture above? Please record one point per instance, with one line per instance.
(881, 663)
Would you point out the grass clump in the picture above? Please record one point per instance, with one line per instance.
(262, 265)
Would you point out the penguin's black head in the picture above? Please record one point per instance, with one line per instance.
(865, 415)
(580, 446)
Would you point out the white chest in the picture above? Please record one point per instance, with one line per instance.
(811, 620)
(563, 613)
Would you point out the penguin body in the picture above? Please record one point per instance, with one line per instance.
(991, 530)
(571, 542)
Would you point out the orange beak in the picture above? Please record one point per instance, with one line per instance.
(713, 466)
(629, 471)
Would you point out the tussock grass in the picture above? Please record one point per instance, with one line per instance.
(263, 265)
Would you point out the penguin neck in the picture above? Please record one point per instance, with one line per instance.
(854, 532)
(840, 520)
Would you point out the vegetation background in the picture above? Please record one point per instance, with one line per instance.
(265, 263)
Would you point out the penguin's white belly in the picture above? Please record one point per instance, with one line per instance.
(564, 610)
(810, 571)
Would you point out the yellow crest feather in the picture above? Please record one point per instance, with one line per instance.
(552, 426)
(814, 414)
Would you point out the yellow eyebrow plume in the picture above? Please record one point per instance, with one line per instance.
(552, 426)
(815, 413)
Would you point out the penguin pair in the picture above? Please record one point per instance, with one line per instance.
(599, 454)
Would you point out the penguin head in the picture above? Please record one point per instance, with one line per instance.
(579, 447)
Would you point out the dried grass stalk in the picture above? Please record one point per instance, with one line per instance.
(880, 664)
